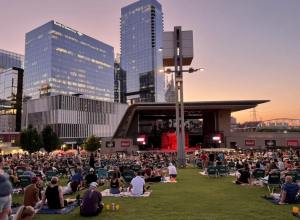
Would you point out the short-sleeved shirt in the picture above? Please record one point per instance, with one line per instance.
(77, 178)
(137, 185)
(291, 190)
(91, 202)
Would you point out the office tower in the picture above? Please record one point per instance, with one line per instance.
(170, 91)
(61, 60)
(10, 59)
(120, 82)
(141, 55)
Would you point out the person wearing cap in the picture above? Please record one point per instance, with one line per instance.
(31, 193)
(91, 202)
(91, 177)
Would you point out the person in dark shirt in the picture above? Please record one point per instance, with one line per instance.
(92, 161)
(244, 177)
(289, 191)
(53, 195)
(91, 202)
(76, 180)
(115, 185)
(91, 177)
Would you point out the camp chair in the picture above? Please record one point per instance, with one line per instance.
(6, 169)
(136, 167)
(273, 181)
(258, 174)
(199, 163)
(128, 176)
(19, 172)
(49, 174)
(231, 166)
(212, 171)
(102, 173)
(222, 170)
(25, 180)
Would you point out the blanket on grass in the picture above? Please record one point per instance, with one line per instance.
(46, 210)
(106, 193)
(276, 201)
(168, 180)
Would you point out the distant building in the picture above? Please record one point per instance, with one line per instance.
(73, 118)
(119, 82)
(170, 92)
(61, 60)
(141, 56)
(10, 59)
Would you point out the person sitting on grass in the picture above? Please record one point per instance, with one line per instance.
(244, 177)
(172, 171)
(24, 213)
(31, 193)
(115, 184)
(91, 177)
(91, 202)
(53, 195)
(289, 192)
(137, 185)
(76, 180)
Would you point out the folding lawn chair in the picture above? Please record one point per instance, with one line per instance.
(258, 174)
(49, 174)
(273, 181)
(102, 173)
(222, 170)
(25, 180)
(212, 171)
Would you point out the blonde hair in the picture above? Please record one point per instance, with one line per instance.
(24, 212)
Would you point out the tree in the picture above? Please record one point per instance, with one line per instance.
(50, 139)
(92, 143)
(30, 140)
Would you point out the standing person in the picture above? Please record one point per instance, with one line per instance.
(5, 197)
(76, 180)
(31, 193)
(92, 161)
(172, 171)
(91, 202)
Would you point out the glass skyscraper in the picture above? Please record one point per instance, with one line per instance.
(141, 56)
(61, 60)
(10, 59)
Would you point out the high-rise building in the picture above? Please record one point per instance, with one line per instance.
(61, 60)
(171, 92)
(141, 56)
(10, 59)
(120, 82)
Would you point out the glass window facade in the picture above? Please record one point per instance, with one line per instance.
(9, 59)
(60, 60)
(141, 58)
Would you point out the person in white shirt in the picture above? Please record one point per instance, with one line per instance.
(137, 185)
(172, 171)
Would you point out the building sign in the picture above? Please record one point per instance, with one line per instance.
(250, 143)
(125, 143)
(110, 144)
(292, 143)
(270, 143)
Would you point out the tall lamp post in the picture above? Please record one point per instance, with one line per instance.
(177, 52)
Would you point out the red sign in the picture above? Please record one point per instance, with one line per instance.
(250, 143)
(125, 143)
(292, 143)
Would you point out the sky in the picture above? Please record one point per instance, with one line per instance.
(250, 49)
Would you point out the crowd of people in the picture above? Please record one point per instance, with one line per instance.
(40, 179)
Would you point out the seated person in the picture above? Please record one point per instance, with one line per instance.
(115, 184)
(91, 177)
(288, 193)
(91, 202)
(172, 171)
(244, 177)
(24, 213)
(137, 185)
(31, 193)
(54, 195)
(76, 180)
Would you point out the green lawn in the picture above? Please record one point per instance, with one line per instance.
(193, 197)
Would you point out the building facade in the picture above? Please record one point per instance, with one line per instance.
(61, 60)
(119, 82)
(141, 56)
(10, 59)
(73, 118)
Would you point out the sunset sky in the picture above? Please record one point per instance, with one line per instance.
(249, 48)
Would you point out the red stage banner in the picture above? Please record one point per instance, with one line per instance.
(125, 143)
(292, 143)
(250, 143)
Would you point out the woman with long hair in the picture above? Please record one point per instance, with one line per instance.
(24, 213)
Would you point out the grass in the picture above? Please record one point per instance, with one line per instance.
(193, 197)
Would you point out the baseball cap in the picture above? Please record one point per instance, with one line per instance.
(94, 184)
(92, 170)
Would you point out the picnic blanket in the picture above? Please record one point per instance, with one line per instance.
(276, 201)
(46, 210)
(168, 180)
(106, 193)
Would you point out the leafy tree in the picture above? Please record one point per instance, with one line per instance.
(92, 143)
(30, 140)
(50, 139)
